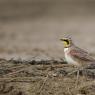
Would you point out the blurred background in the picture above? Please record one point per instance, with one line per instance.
(32, 28)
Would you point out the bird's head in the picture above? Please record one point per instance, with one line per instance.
(67, 41)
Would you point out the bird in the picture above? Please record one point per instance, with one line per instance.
(75, 55)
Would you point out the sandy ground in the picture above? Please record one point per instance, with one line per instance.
(28, 78)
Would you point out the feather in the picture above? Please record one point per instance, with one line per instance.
(81, 54)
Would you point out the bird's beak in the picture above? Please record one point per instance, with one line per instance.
(61, 39)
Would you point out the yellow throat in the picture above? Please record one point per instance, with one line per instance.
(66, 42)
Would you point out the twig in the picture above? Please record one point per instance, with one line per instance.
(86, 84)
(43, 84)
(12, 73)
(82, 85)
(19, 79)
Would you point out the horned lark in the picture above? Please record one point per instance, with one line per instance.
(74, 55)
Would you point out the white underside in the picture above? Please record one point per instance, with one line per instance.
(68, 58)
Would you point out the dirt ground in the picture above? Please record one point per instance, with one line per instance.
(49, 77)
(29, 36)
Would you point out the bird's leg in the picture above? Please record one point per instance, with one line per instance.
(77, 78)
(84, 74)
(76, 83)
(74, 71)
(78, 71)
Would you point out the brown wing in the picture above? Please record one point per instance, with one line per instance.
(81, 54)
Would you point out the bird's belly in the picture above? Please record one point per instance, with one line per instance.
(70, 60)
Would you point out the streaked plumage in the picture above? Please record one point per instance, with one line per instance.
(75, 55)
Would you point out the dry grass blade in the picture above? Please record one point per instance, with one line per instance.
(17, 71)
(43, 84)
(19, 79)
(85, 84)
